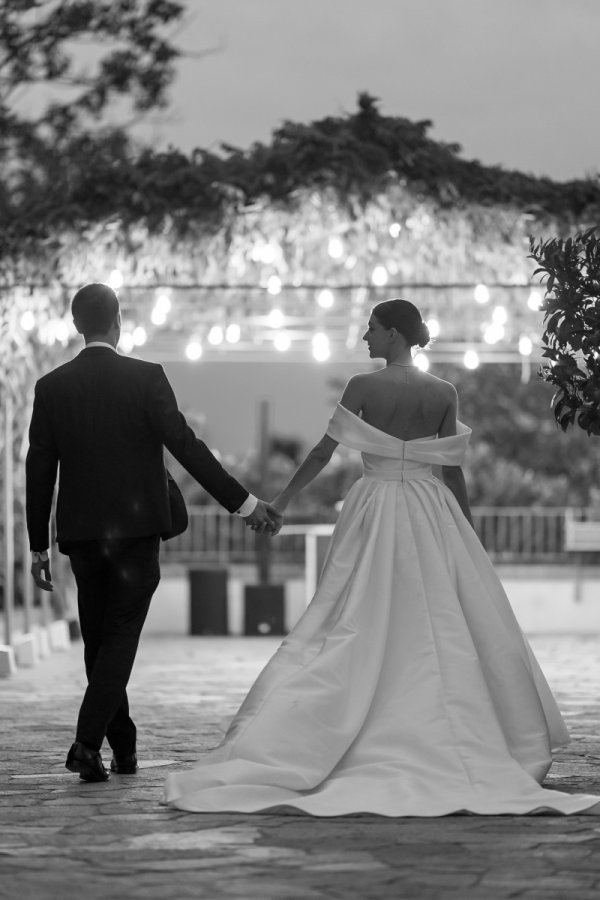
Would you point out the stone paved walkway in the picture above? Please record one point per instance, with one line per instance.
(61, 838)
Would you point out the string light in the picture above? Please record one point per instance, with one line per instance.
(233, 333)
(215, 335)
(163, 302)
(421, 361)
(335, 248)
(275, 319)
(493, 333)
(434, 327)
(158, 316)
(162, 307)
(471, 359)
(115, 279)
(525, 345)
(27, 320)
(534, 301)
(274, 285)
(61, 331)
(499, 315)
(481, 293)
(325, 298)
(320, 347)
(139, 336)
(379, 276)
(395, 229)
(126, 341)
(282, 342)
(193, 351)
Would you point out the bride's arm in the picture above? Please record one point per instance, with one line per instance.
(322, 452)
(314, 462)
(453, 476)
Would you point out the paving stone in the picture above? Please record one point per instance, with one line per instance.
(61, 837)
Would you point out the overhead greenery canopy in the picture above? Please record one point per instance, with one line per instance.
(90, 177)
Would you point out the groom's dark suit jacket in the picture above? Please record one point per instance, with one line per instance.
(103, 420)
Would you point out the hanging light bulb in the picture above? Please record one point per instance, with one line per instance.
(534, 301)
(325, 298)
(139, 336)
(335, 248)
(126, 341)
(471, 359)
(162, 304)
(61, 331)
(395, 229)
(274, 285)
(499, 315)
(421, 361)
(27, 321)
(493, 333)
(481, 293)
(193, 351)
(282, 342)
(158, 316)
(275, 319)
(434, 327)
(233, 333)
(115, 279)
(215, 335)
(525, 345)
(268, 253)
(320, 347)
(379, 276)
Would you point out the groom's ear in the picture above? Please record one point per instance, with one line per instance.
(77, 327)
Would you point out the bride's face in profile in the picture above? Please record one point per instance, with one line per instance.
(377, 338)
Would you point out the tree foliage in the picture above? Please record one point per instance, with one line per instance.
(90, 58)
(571, 270)
(37, 49)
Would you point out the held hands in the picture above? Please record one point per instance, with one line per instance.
(41, 574)
(265, 519)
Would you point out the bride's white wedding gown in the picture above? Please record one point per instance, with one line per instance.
(407, 687)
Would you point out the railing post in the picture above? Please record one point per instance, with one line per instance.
(8, 515)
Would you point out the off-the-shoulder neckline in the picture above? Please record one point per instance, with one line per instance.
(429, 437)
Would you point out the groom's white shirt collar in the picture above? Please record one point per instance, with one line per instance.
(100, 344)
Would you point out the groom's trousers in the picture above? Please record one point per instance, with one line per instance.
(115, 583)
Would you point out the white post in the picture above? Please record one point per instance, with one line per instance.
(8, 515)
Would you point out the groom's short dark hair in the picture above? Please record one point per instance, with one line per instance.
(94, 308)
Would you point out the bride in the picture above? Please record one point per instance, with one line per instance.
(407, 687)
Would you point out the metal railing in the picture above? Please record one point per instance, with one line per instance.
(509, 534)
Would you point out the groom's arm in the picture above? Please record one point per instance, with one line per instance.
(193, 454)
(41, 466)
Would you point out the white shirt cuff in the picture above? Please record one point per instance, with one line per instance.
(248, 506)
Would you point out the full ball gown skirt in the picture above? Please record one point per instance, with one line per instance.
(407, 687)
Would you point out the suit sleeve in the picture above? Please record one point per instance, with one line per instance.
(190, 451)
(41, 466)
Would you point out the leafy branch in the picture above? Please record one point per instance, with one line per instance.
(570, 269)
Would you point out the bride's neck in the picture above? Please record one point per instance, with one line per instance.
(400, 359)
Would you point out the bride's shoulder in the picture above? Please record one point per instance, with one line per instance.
(445, 387)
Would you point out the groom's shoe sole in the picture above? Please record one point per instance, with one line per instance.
(87, 762)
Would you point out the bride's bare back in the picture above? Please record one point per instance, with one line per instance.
(403, 402)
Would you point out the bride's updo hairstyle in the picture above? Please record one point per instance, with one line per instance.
(405, 318)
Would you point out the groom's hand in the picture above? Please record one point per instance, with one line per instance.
(264, 519)
(41, 574)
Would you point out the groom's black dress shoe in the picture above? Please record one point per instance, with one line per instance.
(124, 763)
(87, 762)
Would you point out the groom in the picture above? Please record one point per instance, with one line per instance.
(102, 420)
